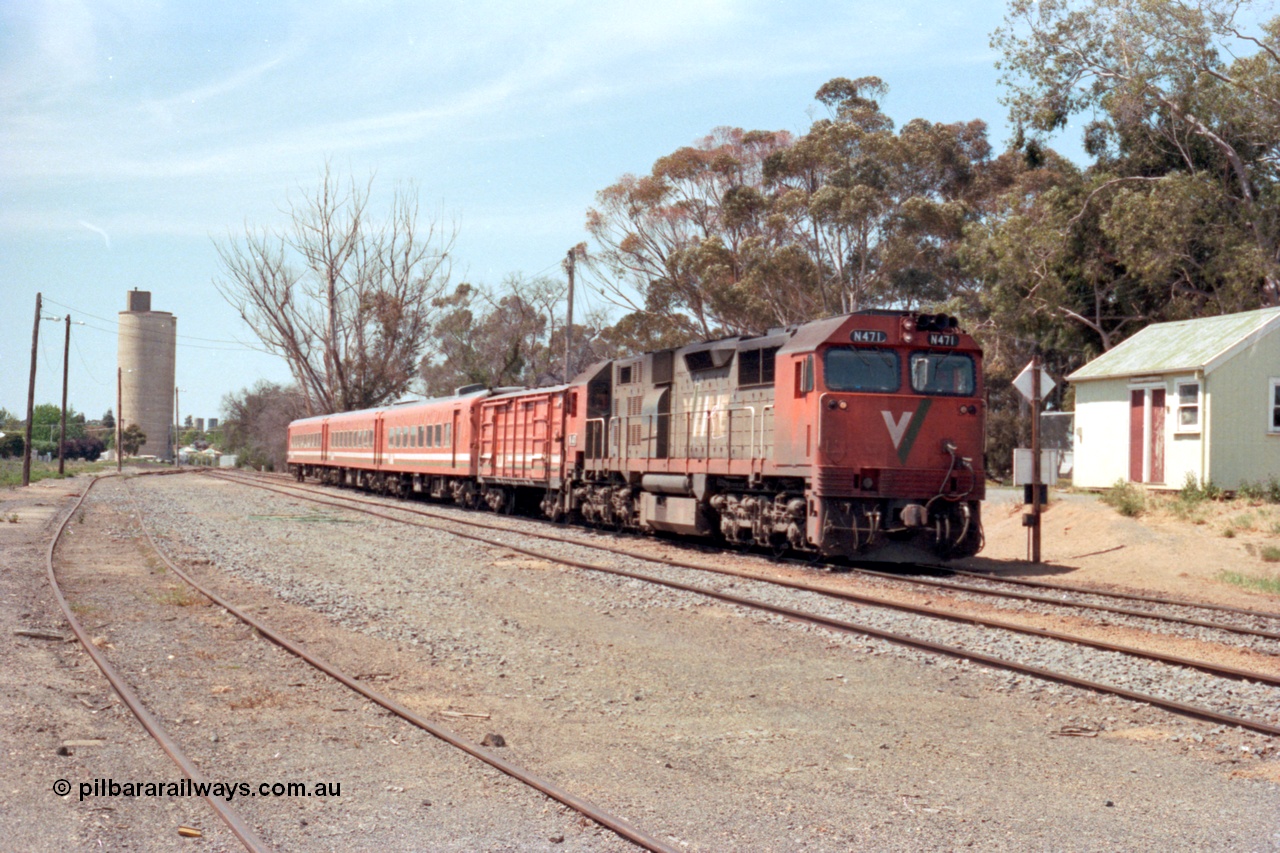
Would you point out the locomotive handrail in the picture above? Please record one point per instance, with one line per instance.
(751, 444)
(766, 408)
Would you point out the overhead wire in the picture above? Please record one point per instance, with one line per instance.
(234, 345)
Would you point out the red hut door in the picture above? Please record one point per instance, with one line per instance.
(1137, 405)
(1146, 435)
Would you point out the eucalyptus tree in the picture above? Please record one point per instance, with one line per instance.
(685, 249)
(344, 297)
(1183, 107)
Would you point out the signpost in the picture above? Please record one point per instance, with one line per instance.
(1034, 383)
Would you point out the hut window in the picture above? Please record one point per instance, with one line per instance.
(1275, 405)
(1188, 406)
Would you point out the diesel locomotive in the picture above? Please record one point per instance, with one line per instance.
(829, 438)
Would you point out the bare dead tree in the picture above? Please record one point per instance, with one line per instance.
(345, 299)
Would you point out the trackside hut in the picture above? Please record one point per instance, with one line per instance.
(1199, 397)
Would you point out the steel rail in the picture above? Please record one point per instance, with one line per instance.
(1131, 596)
(578, 804)
(934, 582)
(813, 618)
(1104, 608)
(845, 595)
(234, 822)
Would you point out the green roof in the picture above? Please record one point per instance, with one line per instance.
(1186, 345)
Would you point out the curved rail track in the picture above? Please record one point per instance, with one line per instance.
(251, 842)
(345, 502)
(229, 816)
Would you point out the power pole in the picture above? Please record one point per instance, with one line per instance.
(31, 397)
(62, 441)
(1035, 458)
(570, 262)
(119, 418)
(177, 441)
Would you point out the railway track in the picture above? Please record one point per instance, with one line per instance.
(450, 525)
(901, 580)
(229, 816)
(986, 584)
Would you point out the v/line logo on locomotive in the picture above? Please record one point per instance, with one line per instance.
(831, 437)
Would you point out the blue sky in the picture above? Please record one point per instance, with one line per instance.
(135, 134)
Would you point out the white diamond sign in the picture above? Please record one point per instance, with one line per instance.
(1023, 383)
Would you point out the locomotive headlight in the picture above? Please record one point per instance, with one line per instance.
(907, 338)
(844, 404)
(868, 483)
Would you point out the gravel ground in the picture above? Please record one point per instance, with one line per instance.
(706, 725)
(1229, 696)
(721, 728)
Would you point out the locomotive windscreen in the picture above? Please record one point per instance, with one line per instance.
(942, 373)
(862, 369)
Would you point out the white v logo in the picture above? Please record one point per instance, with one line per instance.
(897, 428)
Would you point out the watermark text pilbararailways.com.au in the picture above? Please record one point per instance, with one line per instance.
(186, 788)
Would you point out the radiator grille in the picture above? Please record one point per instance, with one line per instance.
(897, 483)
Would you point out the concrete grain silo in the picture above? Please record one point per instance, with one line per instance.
(146, 353)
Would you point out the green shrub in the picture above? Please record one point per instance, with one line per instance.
(1193, 491)
(1271, 554)
(1128, 499)
(1252, 491)
(11, 446)
(1264, 584)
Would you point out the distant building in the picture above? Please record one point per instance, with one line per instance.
(199, 424)
(213, 424)
(146, 351)
(1198, 397)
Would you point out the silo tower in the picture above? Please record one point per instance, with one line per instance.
(147, 352)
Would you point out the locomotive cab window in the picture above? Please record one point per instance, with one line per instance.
(756, 366)
(950, 373)
(861, 369)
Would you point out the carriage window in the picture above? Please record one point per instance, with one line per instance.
(861, 369)
(421, 440)
(448, 434)
(439, 434)
(942, 373)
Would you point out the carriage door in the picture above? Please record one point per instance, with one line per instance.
(453, 440)
(1146, 435)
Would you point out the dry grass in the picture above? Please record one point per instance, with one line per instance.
(258, 699)
(180, 596)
